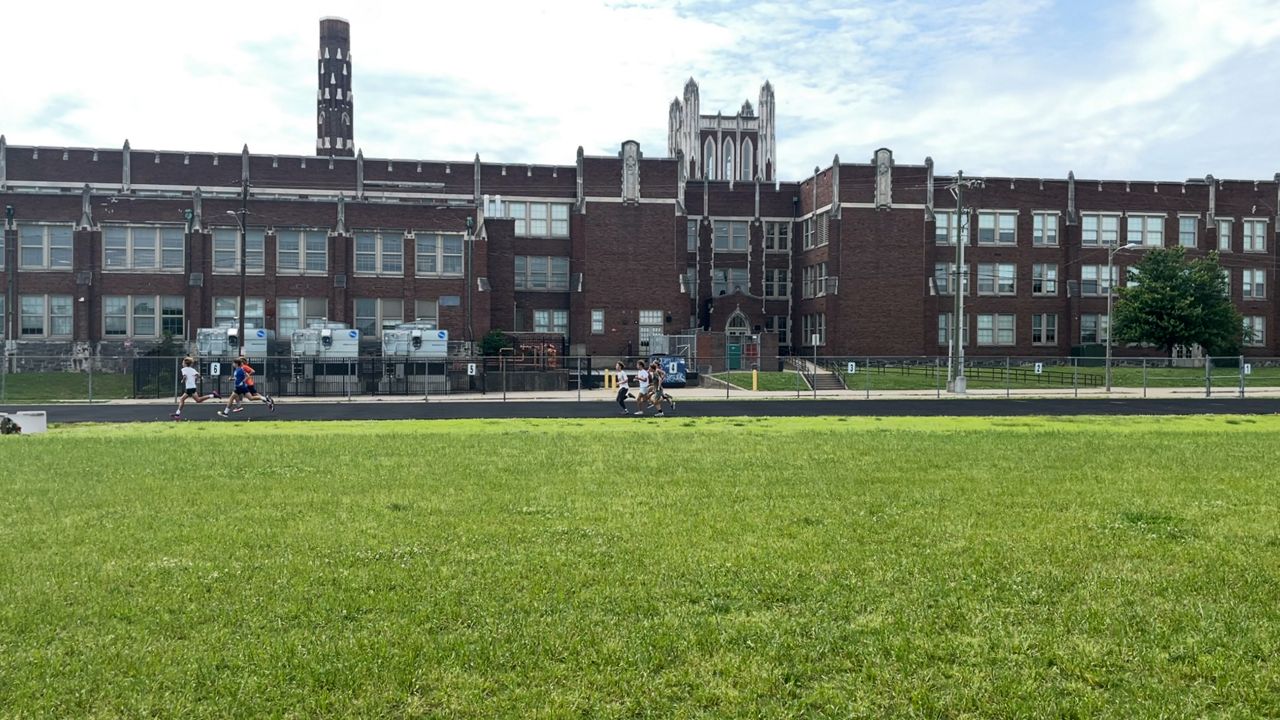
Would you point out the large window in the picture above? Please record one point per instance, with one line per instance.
(996, 329)
(1044, 279)
(142, 315)
(296, 313)
(226, 250)
(997, 228)
(1044, 329)
(597, 322)
(944, 279)
(650, 325)
(44, 247)
(427, 311)
(691, 280)
(997, 279)
(691, 235)
(1146, 230)
(778, 324)
(777, 283)
(777, 236)
(1255, 330)
(814, 324)
(1224, 234)
(1097, 229)
(815, 231)
(1044, 229)
(1255, 235)
(551, 321)
(302, 252)
(1253, 286)
(945, 227)
(42, 316)
(537, 272)
(1093, 279)
(380, 252)
(1094, 328)
(438, 254)
(730, 235)
(944, 330)
(224, 312)
(728, 280)
(539, 219)
(143, 248)
(1188, 225)
(375, 315)
(814, 280)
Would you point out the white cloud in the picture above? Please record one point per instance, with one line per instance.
(1157, 89)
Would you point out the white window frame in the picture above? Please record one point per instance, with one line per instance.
(1183, 219)
(152, 238)
(1255, 234)
(1149, 230)
(47, 316)
(1046, 274)
(539, 218)
(1000, 329)
(1104, 224)
(648, 324)
(1257, 325)
(305, 253)
(597, 321)
(306, 310)
(1253, 284)
(1224, 233)
(779, 324)
(225, 311)
(1002, 232)
(57, 257)
(383, 317)
(777, 283)
(814, 324)
(945, 227)
(724, 280)
(554, 278)
(777, 236)
(427, 310)
(1102, 327)
(551, 321)
(734, 241)
(1099, 279)
(691, 226)
(997, 279)
(254, 256)
(1045, 327)
(135, 323)
(434, 252)
(1044, 228)
(385, 264)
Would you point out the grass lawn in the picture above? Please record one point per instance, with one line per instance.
(828, 567)
(785, 380)
(36, 387)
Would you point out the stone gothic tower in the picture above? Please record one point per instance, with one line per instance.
(734, 148)
(334, 115)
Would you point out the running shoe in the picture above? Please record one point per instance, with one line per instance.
(271, 405)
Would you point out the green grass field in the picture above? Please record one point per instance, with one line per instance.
(786, 380)
(828, 567)
(33, 387)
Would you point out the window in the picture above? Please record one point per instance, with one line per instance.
(1255, 330)
(1093, 279)
(944, 330)
(997, 279)
(294, 313)
(551, 321)
(539, 219)
(650, 325)
(427, 311)
(44, 316)
(691, 235)
(814, 324)
(777, 236)
(1044, 329)
(691, 280)
(380, 252)
(44, 247)
(4, 319)
(141, 247)
(142, 315)
(1097, 229)
(1224, 234)
(728, 280)
(1044, 229)
(778, 324)
(814, 281)
(1131, 277)
(1226, 282)
(1044, 279)
(998, 228)
(302, 252)
(3, 254)
(996, 329)
(815, 231)
(1146, 230)
(1093, 328)
(746, 161)
(944, 279)
(945, 228)
(224, 312)
(730, 236)
(709, 159)
(536, 272)
(1187, 227)
(374, 315)
(438, 254)
(226, 247)
(1253, 284)
(597, 322)
(728, 160)
(1255, 235)
(777, 283)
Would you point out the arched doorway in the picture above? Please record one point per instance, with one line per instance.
(737, 333)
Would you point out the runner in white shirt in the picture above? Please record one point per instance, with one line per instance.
(620, 378)
(190, 376)
(642, 393)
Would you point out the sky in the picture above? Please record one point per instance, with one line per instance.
(1130, 89)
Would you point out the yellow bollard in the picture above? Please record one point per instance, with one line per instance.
(755, 380)
(608, 381)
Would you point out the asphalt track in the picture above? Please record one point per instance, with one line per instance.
(285, 411)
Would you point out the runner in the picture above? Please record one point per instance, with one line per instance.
(656, 377)
(242, 389)
(190, 376)
(624, 391)
(253, 390)
(642, 389)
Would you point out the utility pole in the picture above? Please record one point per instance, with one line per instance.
(243, 216)
(957, 381)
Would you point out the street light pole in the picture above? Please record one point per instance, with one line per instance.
(244, 256)
(470, 248)
(1111, 291)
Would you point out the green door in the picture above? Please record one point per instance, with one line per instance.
(735, 356)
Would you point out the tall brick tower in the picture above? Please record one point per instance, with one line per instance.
(334, 115)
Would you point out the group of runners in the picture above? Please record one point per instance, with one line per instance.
(244, 389)
(649, 389)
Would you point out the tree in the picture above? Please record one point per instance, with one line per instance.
(1178, 302)
(497, 341)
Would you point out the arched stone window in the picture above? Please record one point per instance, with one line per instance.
(728, 160)
(737, 324)
(747, 157)
(709, 159)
